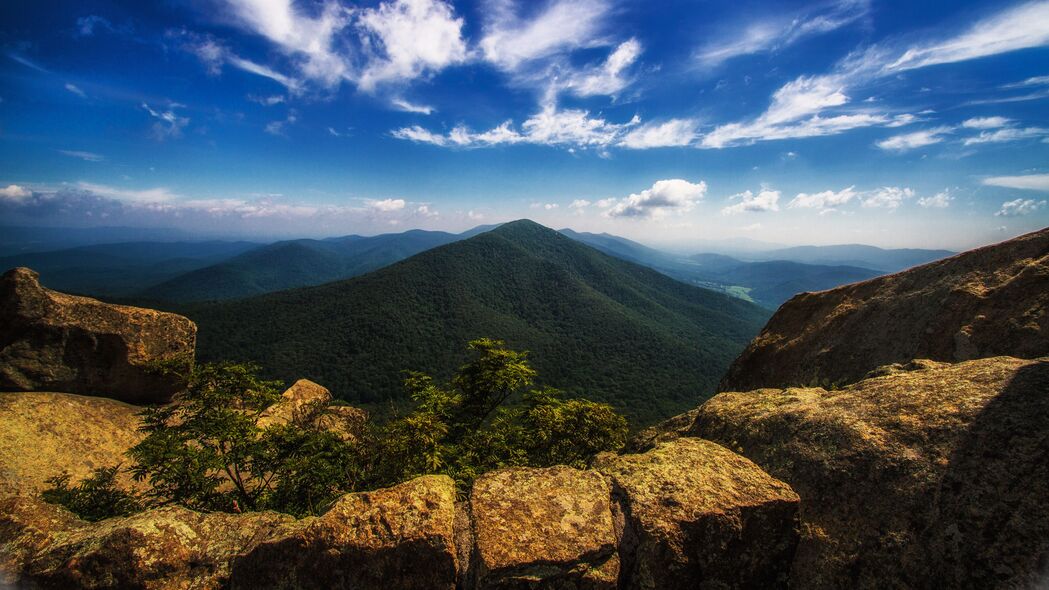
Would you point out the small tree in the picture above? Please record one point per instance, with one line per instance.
(466, 427)
(96, 497)
(207, 452)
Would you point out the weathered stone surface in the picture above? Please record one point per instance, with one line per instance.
(543, 528)
(44, 434)
(43, 545)
(987, 302)
(666, 431)
(51, 341)
(701, 516)
(935, 477)
(306, 402)
(398, 537)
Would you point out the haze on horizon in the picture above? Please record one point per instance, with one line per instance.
(883, 122)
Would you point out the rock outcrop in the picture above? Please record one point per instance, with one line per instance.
(700, 516)
(45, 434)
(51, 341)
(934, 477)
(306, 402)
(43, 545)
(543, 528)
(398, 537)
(986, 302)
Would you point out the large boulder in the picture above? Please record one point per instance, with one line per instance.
(987, 302)
(45, 434)
(399, 537)
(43, 545)
(51, 341)
(543, 528)
(931, 475)
(701, 516)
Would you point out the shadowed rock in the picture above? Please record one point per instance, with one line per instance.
(934, 477)
(44, 434)
(398, 537)
(51, 341)
(701, 516)
(543, 528)
(987, 302)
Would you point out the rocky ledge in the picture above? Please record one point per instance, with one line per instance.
(50, 341)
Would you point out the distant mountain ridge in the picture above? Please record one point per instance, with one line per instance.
(596, 325)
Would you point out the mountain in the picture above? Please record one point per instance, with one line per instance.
(596, 326)
(860, 255)
(122, 269)
(297, 263)
(22, 239)
(766, 283)
(986, 302)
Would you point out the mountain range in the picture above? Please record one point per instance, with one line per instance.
(597, 326)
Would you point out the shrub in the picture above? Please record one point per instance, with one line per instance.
(95, 497)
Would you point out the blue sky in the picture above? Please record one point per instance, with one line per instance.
(884, 122)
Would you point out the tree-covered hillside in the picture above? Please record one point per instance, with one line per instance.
(597, 327)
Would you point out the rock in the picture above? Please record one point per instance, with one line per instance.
(928, 478)
(306, 402)
(987, 302)
(51, 341)
(398, 537)
(302, 398)
(543, 528)
(44, 434)
(170, 547)
(666, 431)
(701, 516)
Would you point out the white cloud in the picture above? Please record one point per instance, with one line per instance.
(1019, 27)
(75, 90)
(940, 200)
(169, 125)
(474, 215)
(14, 192)
(1031, 182)
(278, 127)
(1007, 134)
(888, 197)
(986, 122)
(675, 132)
(267, 101)
(86, 156)
(773, 34)
(823, 200)
(579, 204)
(609, 78)
(910, 141)
(1032, 81)
(407, 39)
(1019, 207)
(408, 107)
(509, 41)
(664, 196)
(550, 126)
(387, 205)
(426, 211)
(765, 200)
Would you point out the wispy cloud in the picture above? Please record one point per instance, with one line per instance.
(888, 197)
(28, 63)
(940, 200)
(777, 32)
(409, 107)
(1031, 182)
(169, 125)
(672, 133)
(510, 41)
(86, 156)
(918, 139)
(280, 127)
(75, 90)
(87, 25)
(824, 200)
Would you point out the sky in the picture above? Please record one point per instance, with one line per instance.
(892, 123)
